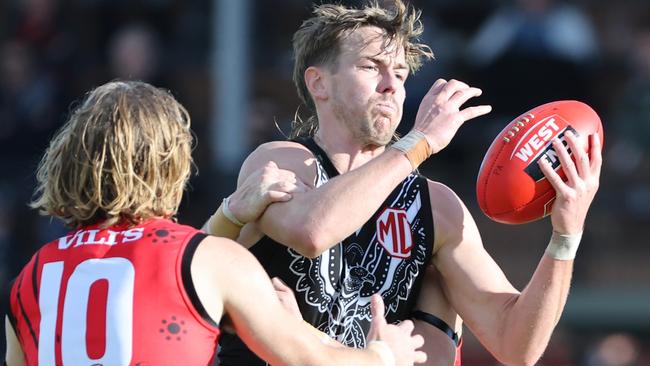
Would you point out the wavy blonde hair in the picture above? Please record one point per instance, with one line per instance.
(317, 43)
(124, 154)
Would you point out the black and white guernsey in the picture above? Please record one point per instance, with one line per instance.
(387, 255)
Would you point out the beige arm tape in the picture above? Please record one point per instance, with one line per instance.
(220, 225)
(225, 208)
(416, 147)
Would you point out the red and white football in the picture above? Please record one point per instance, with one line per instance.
(511, 187)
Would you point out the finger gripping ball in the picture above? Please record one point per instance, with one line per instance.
(511, 187)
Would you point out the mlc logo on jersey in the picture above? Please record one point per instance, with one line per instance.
(394, 232)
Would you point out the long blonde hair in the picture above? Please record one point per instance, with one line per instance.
(317, 43)
(123, 154)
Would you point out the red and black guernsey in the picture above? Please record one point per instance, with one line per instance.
(387, 255)
(116, 296)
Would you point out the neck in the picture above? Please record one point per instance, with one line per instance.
(345, 152)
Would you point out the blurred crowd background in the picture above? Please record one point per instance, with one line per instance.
(521, 53)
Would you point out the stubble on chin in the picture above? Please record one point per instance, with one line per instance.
(375, 132)
(369, 128)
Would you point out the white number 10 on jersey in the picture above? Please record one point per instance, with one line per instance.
(120, 275)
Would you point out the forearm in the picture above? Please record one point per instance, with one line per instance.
(296, 342)
(339, 355)
(281, 339)
(219, 225)
(533, 315)
(332, 352)
(318, 219)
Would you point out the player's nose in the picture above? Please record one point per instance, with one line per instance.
(388, 84)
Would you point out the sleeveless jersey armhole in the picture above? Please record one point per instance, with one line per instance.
(426, 193)
(186, 275)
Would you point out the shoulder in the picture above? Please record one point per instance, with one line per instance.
(217, 250)
(284, 144)
(216, 266)
(224, 266)
(450, 215)
(221, 256)
(444, 199)
(287, 155)
(215, 262)
(285, 152)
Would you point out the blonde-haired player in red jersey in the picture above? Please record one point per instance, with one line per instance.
(130, 286)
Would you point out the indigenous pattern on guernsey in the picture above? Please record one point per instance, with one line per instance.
(340, 282)
(387, 255)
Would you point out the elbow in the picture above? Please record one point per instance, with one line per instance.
(520, 346)
(521, 357)
(532, 360)
(308, 238)
(312, 242)
(528, 359)
(306, 235)
(524, 360)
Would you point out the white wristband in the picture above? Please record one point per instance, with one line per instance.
(563, 247)
(384, 352)
(229, 215)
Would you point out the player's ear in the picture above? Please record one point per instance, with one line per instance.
(315, 80)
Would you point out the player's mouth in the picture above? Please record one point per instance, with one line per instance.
(386, 109)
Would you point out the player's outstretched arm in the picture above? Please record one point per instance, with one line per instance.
(246, 294)
(264, 186)
(14, 356)
(315, 221)
(515, 326)
(473, 283)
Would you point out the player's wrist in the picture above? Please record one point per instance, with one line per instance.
(563, 246)
(220, 225)
(383, 350)
(415, 146)
(229, 214)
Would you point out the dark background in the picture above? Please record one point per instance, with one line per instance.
(521, 53)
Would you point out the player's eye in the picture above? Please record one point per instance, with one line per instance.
(369, 67)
